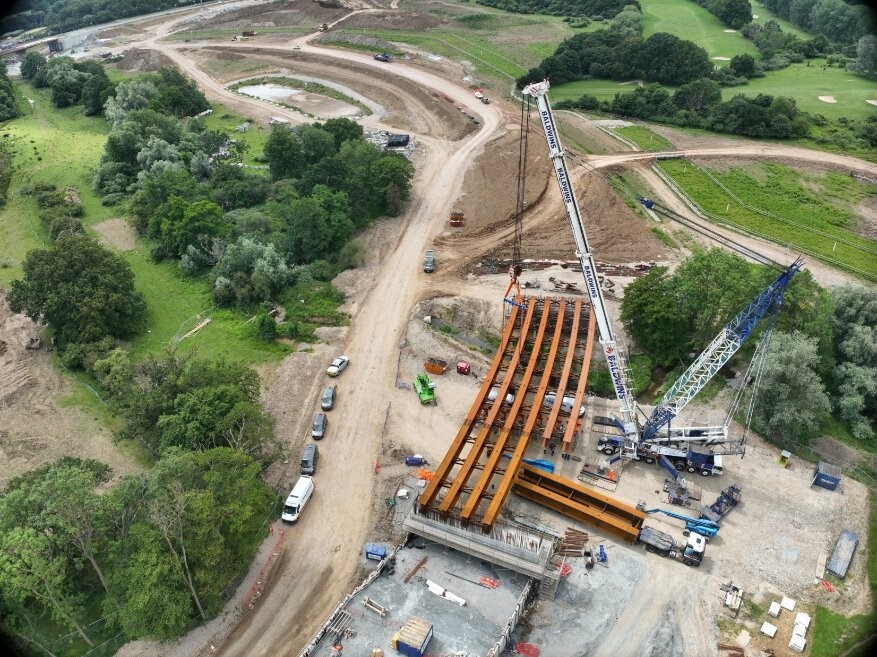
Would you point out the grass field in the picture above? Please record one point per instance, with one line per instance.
(825, 229)
(644, 138)
(806, 83)
(498, 44)
(687, 20)
(55, 146)
(600, 89)
(69, 146)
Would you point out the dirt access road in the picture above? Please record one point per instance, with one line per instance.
(320, 556)
(321, 552)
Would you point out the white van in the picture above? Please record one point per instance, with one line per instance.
(566, 403)
(297, 499)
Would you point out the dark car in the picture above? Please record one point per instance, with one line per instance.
(327, 401)
(318, 430)
(383, 57)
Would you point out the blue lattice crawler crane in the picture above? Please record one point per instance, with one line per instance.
(727, 500)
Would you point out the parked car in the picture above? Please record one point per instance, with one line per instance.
(327, 401)
(318, 430)
(491, 396)
(565, 405)
(383, 57)
(338, 365)
(429, 261)
(309, 457)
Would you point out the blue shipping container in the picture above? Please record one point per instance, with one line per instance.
(826, 476)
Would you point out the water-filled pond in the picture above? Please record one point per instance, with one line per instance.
(273, 92)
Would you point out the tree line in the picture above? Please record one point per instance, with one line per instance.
(822, 361)
(64, 15)
(151, 556)
(8, 106)
(841, 22)
(733, 13)
(592, 9)
(699, 104)
(619, 52)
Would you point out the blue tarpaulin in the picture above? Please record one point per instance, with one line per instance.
(542, 464)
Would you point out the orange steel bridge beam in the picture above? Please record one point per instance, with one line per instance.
(450, 498)
(564, 377)
(498, 447)
(505, 484)
(453, 454)
(574, 420)
(582, 494)
(575, 501)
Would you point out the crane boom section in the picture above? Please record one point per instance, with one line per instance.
(614, 359)
(719, 352)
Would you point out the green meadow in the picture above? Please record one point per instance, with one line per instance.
(63, 147)
(690, 21)
(806, 83)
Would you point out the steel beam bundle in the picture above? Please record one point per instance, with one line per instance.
(546, 345)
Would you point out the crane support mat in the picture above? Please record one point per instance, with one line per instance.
(580, 503)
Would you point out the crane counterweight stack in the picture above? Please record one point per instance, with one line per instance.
(614, 359)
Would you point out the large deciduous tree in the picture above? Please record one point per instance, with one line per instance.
(81, 289)
(651, 316)
(854, 324)
(792, 401)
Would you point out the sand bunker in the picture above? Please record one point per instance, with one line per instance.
(828, 99)
(722, 59)
(730, 31)
(873, 102)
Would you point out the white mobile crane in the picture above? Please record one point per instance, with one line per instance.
(656, 438)
(614, 359)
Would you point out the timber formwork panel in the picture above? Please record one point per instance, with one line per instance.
(576, 501)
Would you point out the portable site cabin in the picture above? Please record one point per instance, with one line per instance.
(826, 476)
(413, 638)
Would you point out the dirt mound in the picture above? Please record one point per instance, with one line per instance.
(281, 14)
(136, 59)
(395, 21)
(617, 233)
(409, 106)
(36, 428)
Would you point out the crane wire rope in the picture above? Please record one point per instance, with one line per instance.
(516, 266)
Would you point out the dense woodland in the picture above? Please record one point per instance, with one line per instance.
(821, 362)
(155, 555)
(841, 21)
(593, 9)
(619, 52)
(64, 15)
